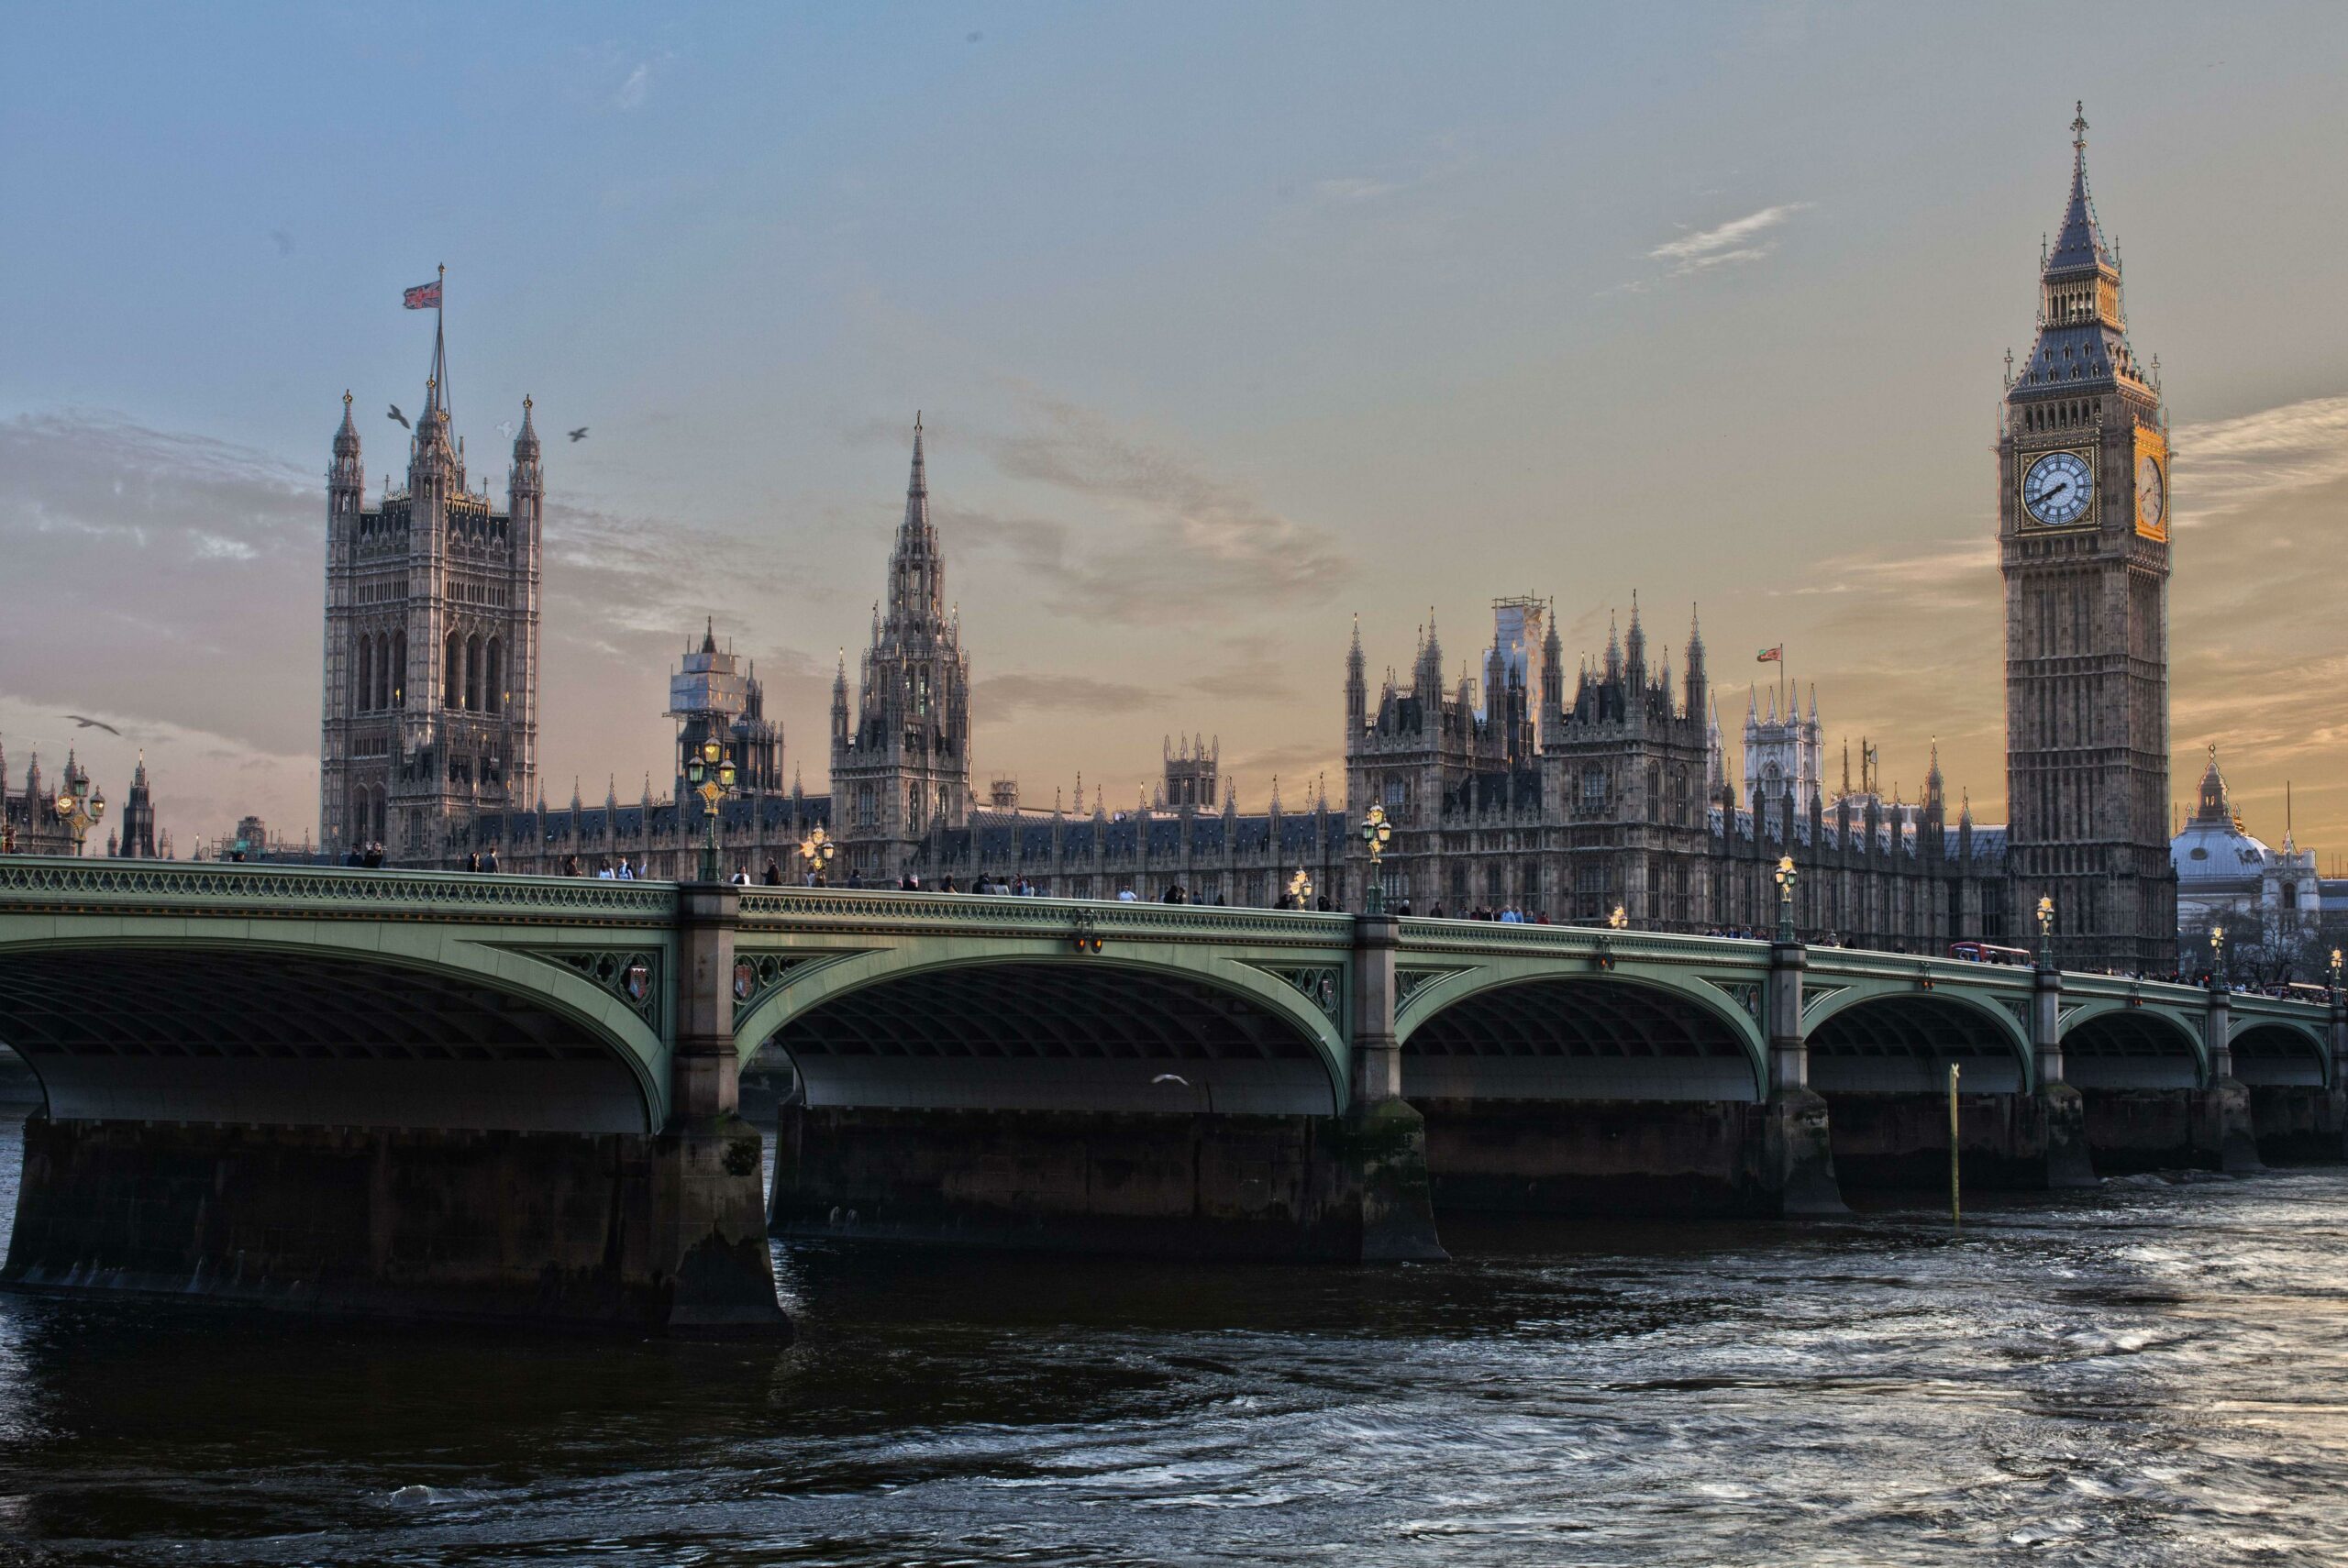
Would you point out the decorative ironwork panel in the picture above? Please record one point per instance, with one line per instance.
(1322, 985)
(634, 976)
(1408, 983)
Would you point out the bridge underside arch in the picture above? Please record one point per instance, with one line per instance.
(1905, 1044)
(1055, 1036)
(2277, 1054)
(234, 1034)
(2135, 1048)
(1577, 1038)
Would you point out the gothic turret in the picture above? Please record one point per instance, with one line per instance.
(1635, 662)
(1356, 687)
(902, 768)
(1699, 683)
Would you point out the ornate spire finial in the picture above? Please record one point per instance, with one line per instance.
(346, 397)
(2079, 128)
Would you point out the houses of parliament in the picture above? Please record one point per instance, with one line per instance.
(1564, 792)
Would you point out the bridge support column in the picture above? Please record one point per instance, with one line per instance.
(2338, 1034)
(1385, 1137)
(2222, 1129)
(2059, 1112)
(710, 1222)
(1796, 1152)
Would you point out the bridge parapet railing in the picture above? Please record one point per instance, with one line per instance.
(1427, 934)
(881, 911)
(61, 884)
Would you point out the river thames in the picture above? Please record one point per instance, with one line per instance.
(2151, 1374)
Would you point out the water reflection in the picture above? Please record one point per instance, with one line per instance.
(2150, 1374)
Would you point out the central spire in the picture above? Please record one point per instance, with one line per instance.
(2079, 244)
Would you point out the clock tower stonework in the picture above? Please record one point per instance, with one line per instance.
(2083, 544)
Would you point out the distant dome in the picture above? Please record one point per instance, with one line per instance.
(2213, 847)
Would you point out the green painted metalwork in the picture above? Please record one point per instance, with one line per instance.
(604, 954)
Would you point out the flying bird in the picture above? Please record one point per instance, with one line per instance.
(505, 428)
(93, 723)
(401, 417)
(580, 433)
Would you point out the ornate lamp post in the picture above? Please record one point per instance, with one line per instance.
(2045, 931)
(2335, 972)
(711, 777)
(1619, 920)
(817, 850)
(80, 809)
(1300, 890)
(2217, 957)
(1377, 832)
(1786, 877)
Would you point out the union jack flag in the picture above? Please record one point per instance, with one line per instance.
(424, 296)
(1772, 655)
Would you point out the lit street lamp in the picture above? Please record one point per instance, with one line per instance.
(80, 809)
(1786, 875)
(2335, 973)
(1377, 832)
(712, 776)
(1300, 890)
(1619, 919)
(2217, 957)
(817, 850)
(2045, 931)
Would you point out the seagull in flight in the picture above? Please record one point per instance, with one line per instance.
(505, 428)
(401, 417)
(580, 433)
(93, 723)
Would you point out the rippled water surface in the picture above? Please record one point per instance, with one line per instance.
(2148, 1375)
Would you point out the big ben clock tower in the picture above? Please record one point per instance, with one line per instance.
(2083, 544)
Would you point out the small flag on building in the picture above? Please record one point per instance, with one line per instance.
(1771, 656)
(424, 296)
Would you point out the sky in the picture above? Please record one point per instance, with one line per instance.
(1226, 323)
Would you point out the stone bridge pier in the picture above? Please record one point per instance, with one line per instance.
(1116, 1077)
(405, 1095)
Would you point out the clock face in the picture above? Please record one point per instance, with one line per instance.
(2057, 489)
(2152, 492)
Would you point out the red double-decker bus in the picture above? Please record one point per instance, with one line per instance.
(1986, 953)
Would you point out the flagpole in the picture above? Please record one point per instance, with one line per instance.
(441, 322)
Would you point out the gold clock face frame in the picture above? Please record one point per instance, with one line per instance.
(2151, 476)
(2056, 487)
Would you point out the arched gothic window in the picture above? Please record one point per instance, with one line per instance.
(398, 696)
(493, 677)
(473, 673)
(364, 685)
(453, 673)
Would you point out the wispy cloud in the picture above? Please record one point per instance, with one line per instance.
(1171, 544)
(1353, 189)
(631, 92)
(1006, 695)
(2224, 467)
(1733, 243)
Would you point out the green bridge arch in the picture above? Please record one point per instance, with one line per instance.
(1536, 1043)
(347, 1022)
(1164, 996)
(1892, 1033)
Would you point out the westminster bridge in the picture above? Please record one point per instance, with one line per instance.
(439, 1094)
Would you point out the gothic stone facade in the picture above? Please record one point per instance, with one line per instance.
(1617, 799)
(431, 677)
